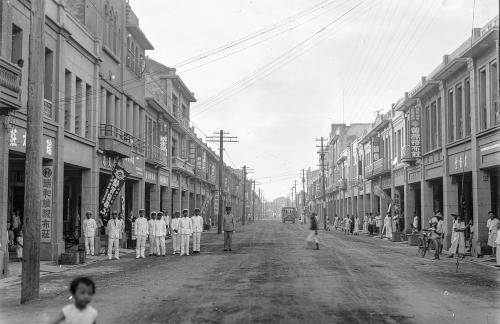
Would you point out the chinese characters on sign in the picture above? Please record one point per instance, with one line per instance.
(17, 140)
(415, 139)
(46, 224)
(112, 189)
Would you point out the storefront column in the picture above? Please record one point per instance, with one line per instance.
(427, 202)
(4, 194)
(481, 197)
(450, 205)
(409, 205)
(367, 203)
(138, 190)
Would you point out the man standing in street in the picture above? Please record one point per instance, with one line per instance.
(175, 233)
(228, 228)
(186, 229)
(151, 232)
(114, 236)
(89, 229)
(197, 229)
(141, 232)
(313, 235)
(436, 226)
(160, 232)
(166, 218)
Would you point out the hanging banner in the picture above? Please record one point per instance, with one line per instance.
(46, 224)
(112, 189)
(415, 139)
(206, 203)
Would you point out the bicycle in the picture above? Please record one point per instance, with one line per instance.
(424, 240)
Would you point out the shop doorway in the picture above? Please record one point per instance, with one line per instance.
(148, 189)
(72, 203)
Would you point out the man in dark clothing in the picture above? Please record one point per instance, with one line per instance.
(313, 235)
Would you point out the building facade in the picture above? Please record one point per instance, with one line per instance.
(435, 150)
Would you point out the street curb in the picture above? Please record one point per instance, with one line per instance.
(9, 282)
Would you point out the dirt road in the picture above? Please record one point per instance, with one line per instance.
(271, 277)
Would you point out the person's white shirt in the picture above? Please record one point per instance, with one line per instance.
(89, 227)
(151, 226)
(160, 227)
(185, 225)
(492, 224)
(141, 226)
(197, 224)
(74, 315)
(114, 228)
(175, 224)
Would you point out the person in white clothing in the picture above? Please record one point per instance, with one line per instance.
(114, 229)
(151, 234)
(82, 290)
(166, 219)
(122, 229)
(197, 229)
(356, 225)
(160, 232)
(186, 229)
(387, 227)
(457, 236)
(492, 225)
(175, 233)
(141, 232)
(89, 228)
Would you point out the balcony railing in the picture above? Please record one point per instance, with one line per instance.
(155, 155)
(182, 165)
(113, 139)
(369, 171)
(341, 184)
(380, 167)
(10, 85)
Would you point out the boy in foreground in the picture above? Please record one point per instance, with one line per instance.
(82, 290)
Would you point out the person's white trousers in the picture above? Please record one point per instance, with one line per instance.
(89, 245)
(312, 237)
(140, 248)
(160, 245)
(152, 244)
(113, 242)
(184, 244)
(176, 238)
(196, 241)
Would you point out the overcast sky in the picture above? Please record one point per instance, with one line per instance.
(282, 89)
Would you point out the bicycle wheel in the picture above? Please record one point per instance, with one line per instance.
(422, 247)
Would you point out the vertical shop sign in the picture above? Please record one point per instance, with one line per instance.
(415, 139)
(216, 204)
(112, 189)
(46, 219)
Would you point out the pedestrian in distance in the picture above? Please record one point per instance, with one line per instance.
(313, 234)
(347, 225)
(497, 241)
(114, 229)
(80, 312)
(141, 232)
(457, 236)
(351, 225)
(121, 223)
(186, 229)
(89, 230)
(19, 246)
(356, 225)
(166, 218)
(160, 233)
(492, 225)
(436, 233)
(197, 229)
(151, 234)
(387, 229)
(228, 228)
(175, 234)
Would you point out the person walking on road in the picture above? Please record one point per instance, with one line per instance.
(492, 225)
(356, 225)
(160, 233)
(151, 234)
(175, 233)
(228, 228)
(141, 232)
(457, 236)
(89, 229)
(436, 233)
(186, 229)
(313, 234)
(114, 229)
(197, 229)
(497, 241)
(387, 227)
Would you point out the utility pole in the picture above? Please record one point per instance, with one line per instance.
(253, 202)
(244, 195)
(303, 191)
(296, 199)
(30, 284)
(221, 138)
(260, 199)
(322, 156)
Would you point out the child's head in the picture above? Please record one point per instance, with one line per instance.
(82, 289)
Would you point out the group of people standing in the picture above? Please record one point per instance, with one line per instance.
(370, 224)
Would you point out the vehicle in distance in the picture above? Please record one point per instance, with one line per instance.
(288, 214)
